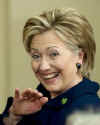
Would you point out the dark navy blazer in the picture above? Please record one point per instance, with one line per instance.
(55, 112)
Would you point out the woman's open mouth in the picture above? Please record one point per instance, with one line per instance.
(50, 76)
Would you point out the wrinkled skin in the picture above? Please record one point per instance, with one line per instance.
(27, 102)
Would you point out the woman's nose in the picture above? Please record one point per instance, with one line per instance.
(44, 65)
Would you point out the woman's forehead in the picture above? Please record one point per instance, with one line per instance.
(47, 39)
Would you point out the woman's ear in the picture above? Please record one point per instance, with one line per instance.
(81, 56)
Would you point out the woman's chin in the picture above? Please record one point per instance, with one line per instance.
(53, 89)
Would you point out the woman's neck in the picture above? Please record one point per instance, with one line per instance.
(69, 86)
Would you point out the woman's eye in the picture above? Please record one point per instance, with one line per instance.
(54, 54)
(35, 56)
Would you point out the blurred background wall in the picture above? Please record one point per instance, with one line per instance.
(4, 53)
(15, 68)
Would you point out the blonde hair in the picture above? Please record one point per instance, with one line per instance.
(72, 27)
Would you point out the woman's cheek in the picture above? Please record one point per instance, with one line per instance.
(34, 67)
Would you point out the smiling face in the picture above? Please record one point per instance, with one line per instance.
(53, 63)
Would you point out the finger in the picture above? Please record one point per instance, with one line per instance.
(31, 94)
(35, 95)
(27, 93)
(17, 93)
(43, 100)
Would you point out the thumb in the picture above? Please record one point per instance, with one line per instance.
(43, 100)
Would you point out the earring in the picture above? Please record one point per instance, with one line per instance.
(78, 65)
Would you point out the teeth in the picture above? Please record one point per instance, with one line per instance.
(50, 76)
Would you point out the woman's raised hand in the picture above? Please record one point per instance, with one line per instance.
(27, 102)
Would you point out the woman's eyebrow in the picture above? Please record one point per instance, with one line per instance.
(51, 47)
(48, 48)
(34, 49)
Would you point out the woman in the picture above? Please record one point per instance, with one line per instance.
(62, 48)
